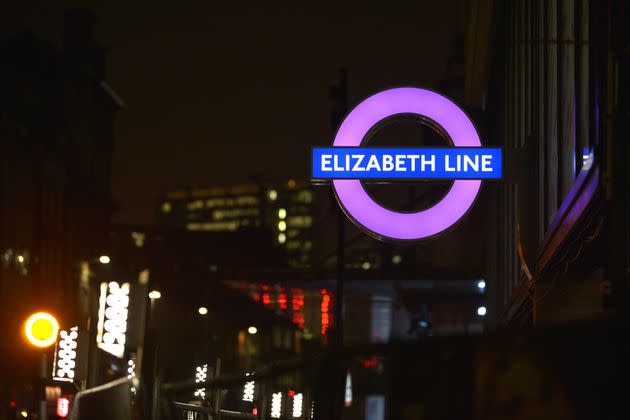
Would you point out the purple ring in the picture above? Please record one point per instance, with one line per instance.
(385, 223)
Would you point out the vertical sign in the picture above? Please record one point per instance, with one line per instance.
(111, 332)
(65, 361)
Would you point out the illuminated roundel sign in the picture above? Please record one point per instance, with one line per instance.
(41, 329)
(347, 163)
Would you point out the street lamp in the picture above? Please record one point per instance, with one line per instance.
(202, 310)
(104, 259)
(252, 330)
(155, 294)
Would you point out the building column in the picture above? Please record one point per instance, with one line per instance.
(567, 97)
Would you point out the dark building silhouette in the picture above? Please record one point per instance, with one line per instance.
(56, 130)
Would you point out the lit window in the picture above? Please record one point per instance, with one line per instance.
(195, 205)
(366, 265)
(396, 259)
(247, 199)
(215, 202)
(166, 207)
(272, 195)
(138, 238)
(282, 238)
(300, 221)
(291, 183)
(305, 196)
(282, 213)
(222, 226)
(282, 225)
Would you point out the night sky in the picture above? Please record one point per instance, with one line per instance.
(215, 92)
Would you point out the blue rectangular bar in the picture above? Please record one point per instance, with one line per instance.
(406, 163)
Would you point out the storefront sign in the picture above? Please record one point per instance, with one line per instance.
(111, 331)
(347, 163)
(65, 361)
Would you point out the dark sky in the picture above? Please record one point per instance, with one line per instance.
(216, 91)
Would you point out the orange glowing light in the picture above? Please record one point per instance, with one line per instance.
(41, 329)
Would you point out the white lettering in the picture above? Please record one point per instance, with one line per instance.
(424, 162)
(447, 167)
(469, 163)
(400, 163)
(336, 164)
(486, 163)
(326, 163)
(388, 163)
(413, 159)
(357, 164)
(373, 164)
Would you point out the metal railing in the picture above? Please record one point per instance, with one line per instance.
(321, 379)
(189, 411)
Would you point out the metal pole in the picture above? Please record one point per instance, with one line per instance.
(340, 268)
(330, 385)
(43, 373)
(340, 112)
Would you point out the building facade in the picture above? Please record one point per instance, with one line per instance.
(545, 80)
(284, 208)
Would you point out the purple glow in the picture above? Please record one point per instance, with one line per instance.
(406, 226)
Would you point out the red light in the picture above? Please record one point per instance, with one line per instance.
(12, 404)
(291, 393)
(372, 362)
(63, 407)
(255, 411)
(282, 301)
(324, 310)
(266, 299)
(297, 306)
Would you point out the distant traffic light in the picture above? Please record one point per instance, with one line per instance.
(41, 329)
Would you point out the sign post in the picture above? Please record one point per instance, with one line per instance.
(41, 329)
